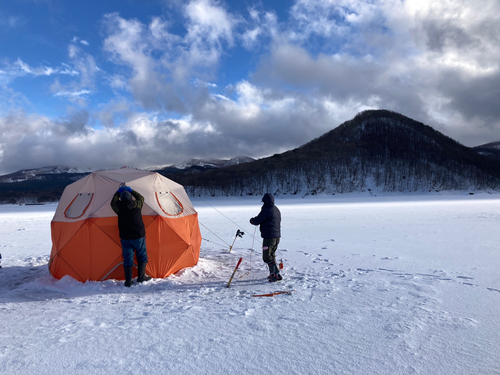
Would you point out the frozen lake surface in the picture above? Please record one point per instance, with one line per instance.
(385, 285)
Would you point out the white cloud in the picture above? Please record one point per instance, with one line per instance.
(222, 97)
(250, 37)
(77, 91)
(118, 82)
(76, 40)
(19, 68)
(9, 99)
(129, 44)
(209, 21)
(162, 64)
(85, 64)
(259, 29)
(73, 94)
(141, 140)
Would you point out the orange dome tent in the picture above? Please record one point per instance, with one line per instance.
(85, 240)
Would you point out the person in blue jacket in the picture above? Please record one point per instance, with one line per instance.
(269, 220)
(127, 204)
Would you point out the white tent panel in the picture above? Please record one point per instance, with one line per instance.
(90, 196)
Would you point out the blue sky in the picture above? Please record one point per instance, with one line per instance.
(102, 84)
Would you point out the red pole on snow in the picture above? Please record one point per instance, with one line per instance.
(274, 294)
(231, 279)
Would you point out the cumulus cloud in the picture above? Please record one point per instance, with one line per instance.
(436, 62)
(163, 65)
(262, 119)
(130, 43)
(141, 141)
(208, 27)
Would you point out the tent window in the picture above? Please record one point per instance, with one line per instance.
(169, 203)
(79, 205)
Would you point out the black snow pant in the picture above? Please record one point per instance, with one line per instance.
(269, 247)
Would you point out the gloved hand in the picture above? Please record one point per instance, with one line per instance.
(121, 189)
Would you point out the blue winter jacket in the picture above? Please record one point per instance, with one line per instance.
(269, 218)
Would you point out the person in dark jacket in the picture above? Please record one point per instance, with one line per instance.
(132, 232)
(269, 220)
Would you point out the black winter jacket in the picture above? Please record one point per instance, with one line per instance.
(269, 218)
(130, 222)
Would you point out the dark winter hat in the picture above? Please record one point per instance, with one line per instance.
(268, 199)
(126, 196)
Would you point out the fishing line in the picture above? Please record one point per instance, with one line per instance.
(214, 234)
(215, 243)
(240, 226)
(222, 214)
(251, 252)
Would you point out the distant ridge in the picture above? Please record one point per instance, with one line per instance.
(28, 174)
(490, 150)
(46, 184)
(214, 163)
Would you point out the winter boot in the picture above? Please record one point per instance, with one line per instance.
(128, 276)
(273, 268)
(275, 277)
(141, 273)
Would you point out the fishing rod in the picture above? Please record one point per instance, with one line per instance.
(238, 234)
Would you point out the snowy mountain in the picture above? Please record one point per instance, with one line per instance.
(29, 174)
(213, 163)
(41, 173)
(238, 160)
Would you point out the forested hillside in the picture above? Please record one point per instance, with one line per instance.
(377, 150)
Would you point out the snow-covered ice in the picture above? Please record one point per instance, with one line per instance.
(383, 285)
